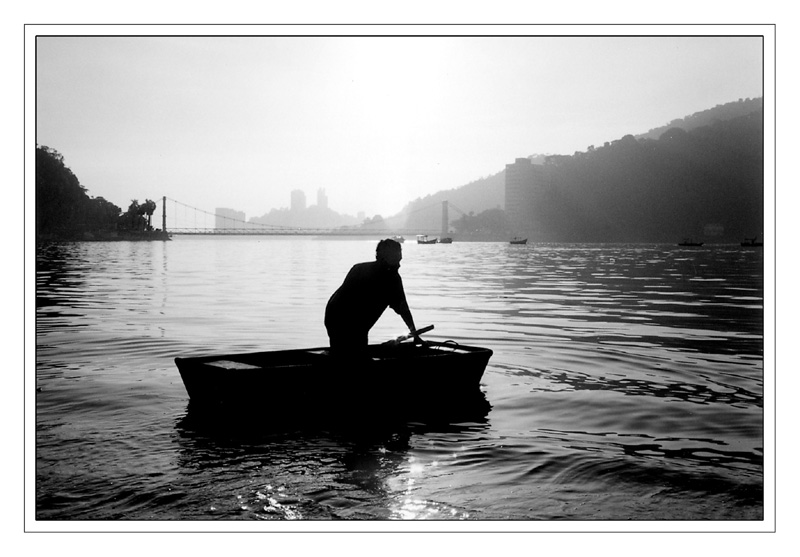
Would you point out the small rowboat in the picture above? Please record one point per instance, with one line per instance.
(390, 375)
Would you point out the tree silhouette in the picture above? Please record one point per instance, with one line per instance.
(149, 207)
(63, 208)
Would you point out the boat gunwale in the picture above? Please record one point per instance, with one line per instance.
(440, 349)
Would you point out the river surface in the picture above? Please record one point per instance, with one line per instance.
(626, 384)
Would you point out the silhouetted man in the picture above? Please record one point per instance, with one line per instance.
(368, 289)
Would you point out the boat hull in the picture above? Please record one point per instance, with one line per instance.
(404, 376)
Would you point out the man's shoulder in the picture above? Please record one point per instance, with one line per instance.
(373, 270)
(363, 269)
(366, 265)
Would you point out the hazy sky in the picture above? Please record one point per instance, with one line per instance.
(240, 122)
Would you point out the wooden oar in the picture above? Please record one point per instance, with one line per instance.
(412, 334)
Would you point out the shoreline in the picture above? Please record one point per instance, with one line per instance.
(152, 236)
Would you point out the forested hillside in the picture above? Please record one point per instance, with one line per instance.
(706, 183)
(700, 176)
(65, 211)
(63, 208)
(727, 111)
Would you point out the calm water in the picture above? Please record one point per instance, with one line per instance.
(626, 384)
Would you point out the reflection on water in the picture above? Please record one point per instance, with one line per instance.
(626, 383)
(318, 469)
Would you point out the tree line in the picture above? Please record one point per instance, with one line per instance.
(65, 210)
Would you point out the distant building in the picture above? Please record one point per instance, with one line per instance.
(228, 218)
(525, 182)
(322, 199)
(298, 200)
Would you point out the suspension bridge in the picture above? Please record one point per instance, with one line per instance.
(178, 218)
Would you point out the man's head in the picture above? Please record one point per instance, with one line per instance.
(389, 252)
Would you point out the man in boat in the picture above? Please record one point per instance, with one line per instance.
(368, 289)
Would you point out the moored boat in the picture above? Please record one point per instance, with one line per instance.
(424, 239)
(519, 241)
(445, 240)
(404, 375)
(752, 243)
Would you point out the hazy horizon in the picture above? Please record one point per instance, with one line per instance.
(240, 122)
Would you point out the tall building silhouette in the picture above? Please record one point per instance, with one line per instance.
(525, 183)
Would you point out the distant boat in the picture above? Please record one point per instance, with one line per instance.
(424, 239)
(690, 244)
(446, 241)
(519, 241)
(398, 239)
(752, 243)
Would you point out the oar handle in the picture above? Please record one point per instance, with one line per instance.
(414, 333)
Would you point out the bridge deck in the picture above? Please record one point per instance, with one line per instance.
(295, 232)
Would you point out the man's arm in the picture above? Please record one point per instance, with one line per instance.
(402, 309)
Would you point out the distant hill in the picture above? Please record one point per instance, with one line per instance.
(309, 217)
(425, 213)
(698, 175)
(706, 183)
